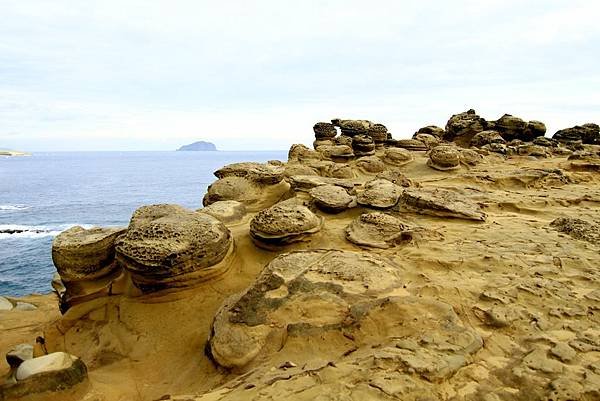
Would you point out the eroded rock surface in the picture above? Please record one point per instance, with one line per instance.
(442, 203)
(377, 230)
(332, 198)
(379, 193)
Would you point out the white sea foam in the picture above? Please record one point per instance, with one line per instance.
(25, 231)
(11, 208)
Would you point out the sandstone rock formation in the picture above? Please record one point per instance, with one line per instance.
(376, 230)
(462, 127)
(380, 194)
(586, 133)
(226, 211)
(169, 246)
(257, 172)
(332, 198)
(444, 158)
(441, 203)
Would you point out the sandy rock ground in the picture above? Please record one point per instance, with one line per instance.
(525, 296)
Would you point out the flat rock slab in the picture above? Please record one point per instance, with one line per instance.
(442, 203)
(376, 230)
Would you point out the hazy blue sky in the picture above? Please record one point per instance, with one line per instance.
(152, 75)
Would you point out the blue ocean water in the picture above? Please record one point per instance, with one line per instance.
(50, 192)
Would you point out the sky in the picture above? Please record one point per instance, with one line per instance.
(256, 75)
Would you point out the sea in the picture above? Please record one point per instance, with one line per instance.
(46, 193)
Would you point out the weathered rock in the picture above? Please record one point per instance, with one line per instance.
(444, 157)
(470, 157)
(322, 142)
(258, 172)
(226, 211)
(370, 164)
(376, 230)
(340, 170)
(486, 138)
(253, 195)
(495, 148)
(433, 130)
(5, 304)
(511, 127)
(462, 127)
(532, 150)
(397, 156)
(440, 202)
(170, 246)
(429, 140)
(18, 354)
(324, 130)
(379, 193)
(343, 140)
(535, 129)
(283, 224)
(85, 254)
(299, 169)
(24, 306)
(586, 133)
(410, 144)
(334, 152)
(331, 198)
(307, 182)
(299, 152)
(395, 176)
(318, 300)
(53, 372)
(379, 133)
(352, 127)
(543, 141)
(578, 228)
(363, 145)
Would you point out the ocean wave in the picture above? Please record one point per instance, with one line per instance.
(11, 208)
(24, 231)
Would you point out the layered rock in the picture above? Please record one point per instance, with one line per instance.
(257, 172)
(324, 131)
(169, 246)
(462, 127)
(226, 211)
(586, 133)
(486, 137)
(352, 127)
(441, 203)
(283, 224)
(397, 157)
(410, 144)
(252, 194)
(432, 130)
(305, 183)
(376, 230)
(444, 158)
(363, 145)
(370, 164)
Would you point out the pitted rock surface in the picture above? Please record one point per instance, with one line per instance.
(462, 127)
(226, 211)
(331, 198)
(442, 203)
(376, 230)
(85, 254)
(258, 172)
(379, 193)
(282, 224)
(397, 156)
(165, 242)
(324, 130)
(444, 157)
(370, 164)
(486, 137)
(352, 127)
(308, 182)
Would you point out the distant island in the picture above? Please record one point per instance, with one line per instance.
(198, 146)
(6, 152)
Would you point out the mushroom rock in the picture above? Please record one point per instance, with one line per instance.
(397, 156)
(257, 172)
(226, 211)
(336, 152)
(441, 203)
(54, 372)
(307, 182)
(410, 144)
(486, 137)
(170, 246)
(370, 164)
(331, 198)
(283, 224)
(376, 230)
(586, 133)
(343, 140)
(463, 126)
(324, 131)
(363, 145)
(253, 195)
(352, 127)
(432, 130)
(379, 133)
(429, 140)
(299, 152)
(444, 157)
(325, 301)
(380, 194)
(340, 170)
(85, 254)
(470, 157)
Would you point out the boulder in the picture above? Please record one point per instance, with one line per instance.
(444, 157)
(331, 198)
(5, 304)
(258, 172)
(376, 230)
(352, 127)
(380, 194)
(397, 156)
(429, 140)
(462, 127)
(432, 130)
(85, 254)
(586, 133)
(441, 203)
(535, 129)
(379, 133)
(253, 195)
(299, 152)
(363, 145)
(325, 302)
(322, 142)
(171, 246)
(324, 130)
(511, 127)
(19, 354)
(410, 144)
(54, 372)
(470, 157)
(282, 224)
(486, 137)
(370, 164)
(336, 152)
(226, 211)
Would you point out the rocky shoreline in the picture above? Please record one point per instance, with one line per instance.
(460, 264)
